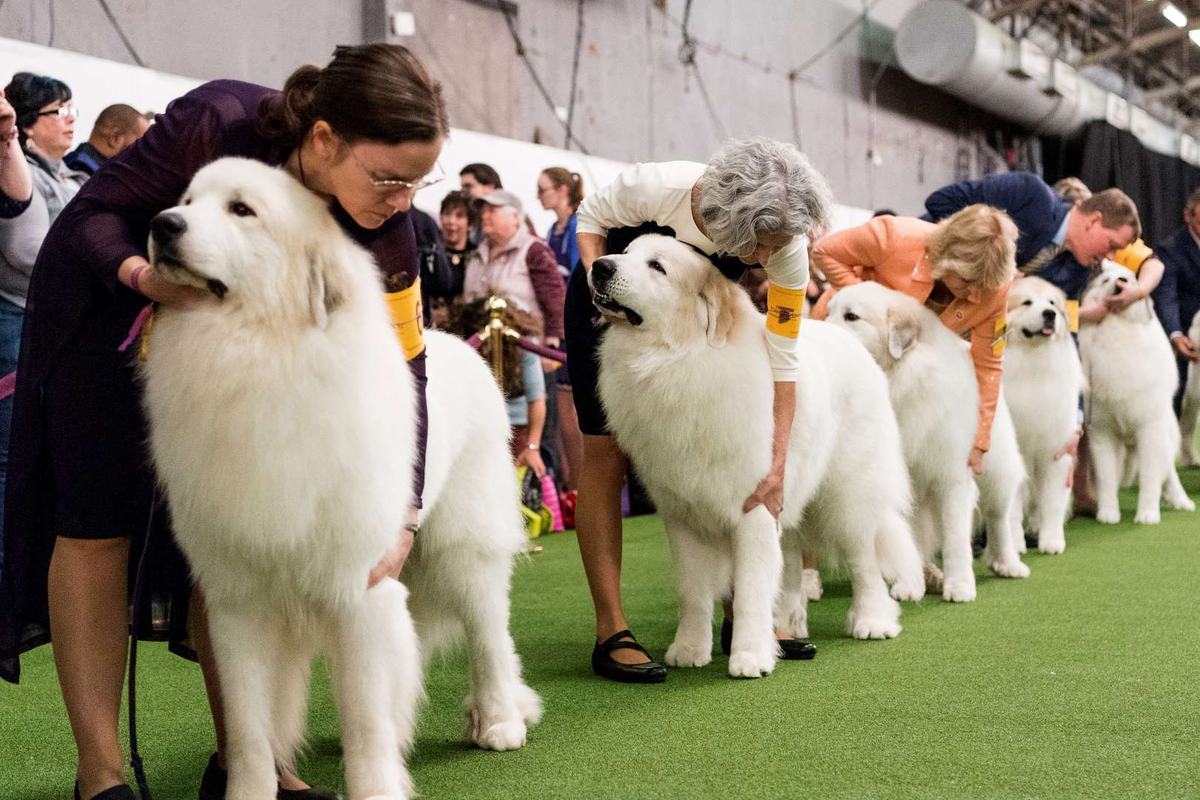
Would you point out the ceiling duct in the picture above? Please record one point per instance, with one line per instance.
(944, 44)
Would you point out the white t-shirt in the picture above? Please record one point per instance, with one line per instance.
(662, 193)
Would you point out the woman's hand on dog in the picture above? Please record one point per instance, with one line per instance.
(391, 564)
(769, 493)
(975, 461)
(152, 285)
(1185, 348)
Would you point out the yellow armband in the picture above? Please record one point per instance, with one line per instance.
(1073, 315)
(784, 310)
(1000, 337)
(1133, 256)
(408, 319)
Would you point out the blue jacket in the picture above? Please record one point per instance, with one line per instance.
(1037, 209)
(1067, 274)
(1177, 298)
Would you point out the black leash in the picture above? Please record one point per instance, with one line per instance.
(135, 758)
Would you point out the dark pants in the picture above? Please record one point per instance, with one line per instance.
(11, 318)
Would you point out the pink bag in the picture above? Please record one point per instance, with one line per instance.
(550, 501)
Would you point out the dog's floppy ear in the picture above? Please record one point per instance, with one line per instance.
(902, 328)
(718, 311)
(326, 289)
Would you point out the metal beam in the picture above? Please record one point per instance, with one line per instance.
(1137, 44)
(1018, 7)
(1164, 92)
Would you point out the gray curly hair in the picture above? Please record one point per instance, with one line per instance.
(761, 186)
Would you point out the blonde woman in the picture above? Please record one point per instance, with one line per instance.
(961, 268)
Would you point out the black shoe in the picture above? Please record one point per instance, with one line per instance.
(122, 792)
(604, 666)
(793, 649)
(212, 786)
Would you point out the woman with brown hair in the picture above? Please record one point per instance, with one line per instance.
(364, 133)
(561, 191)
(961, 268)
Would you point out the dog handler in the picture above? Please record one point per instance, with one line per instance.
(751, 205)
(960, 268)
(363, 133)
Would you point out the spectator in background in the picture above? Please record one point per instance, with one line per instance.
(479, 180)
(883, 212)
(437, 278)
(37, 124)
(1073, 190)
(514, 263)
(457, 218)
(117, 127)
(1177, 297)
(561, 191)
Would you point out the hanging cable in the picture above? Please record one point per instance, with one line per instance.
(537, 81)
(50, 43)
(858, 20)
(575, 72)
(687, 57)
(121, 33)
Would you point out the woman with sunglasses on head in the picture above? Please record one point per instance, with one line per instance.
(364, 133)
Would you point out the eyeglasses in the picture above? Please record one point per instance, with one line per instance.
(396, 186)
(61, 111)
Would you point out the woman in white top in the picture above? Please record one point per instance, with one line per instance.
(753, 204)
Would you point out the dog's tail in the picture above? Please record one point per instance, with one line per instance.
(898, 557)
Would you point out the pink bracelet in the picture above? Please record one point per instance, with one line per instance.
(135, 277)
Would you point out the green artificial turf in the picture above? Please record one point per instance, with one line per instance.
(1081, 681)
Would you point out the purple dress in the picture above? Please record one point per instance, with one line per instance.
(78, 463)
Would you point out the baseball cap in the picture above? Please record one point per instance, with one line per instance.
(502, 197)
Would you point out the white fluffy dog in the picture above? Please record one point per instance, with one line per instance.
(686, 384)
(1042, 383)
(283, 429)
(936, 398)
(1191, 403)
(1131, 376)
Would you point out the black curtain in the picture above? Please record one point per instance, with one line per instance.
(1104, 156)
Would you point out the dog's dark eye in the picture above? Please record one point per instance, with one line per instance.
(241, 209)
(657, 267)
(187, 201)
(850, 316)
(1027, 303)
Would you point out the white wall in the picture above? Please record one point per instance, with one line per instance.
(97, 82)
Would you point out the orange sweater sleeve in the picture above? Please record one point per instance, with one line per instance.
(843, 256)
(988, 339)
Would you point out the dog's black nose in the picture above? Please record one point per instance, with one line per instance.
(167, 226)
(1048, 314)
(603, 269)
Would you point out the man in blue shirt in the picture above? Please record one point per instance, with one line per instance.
(1177, 298)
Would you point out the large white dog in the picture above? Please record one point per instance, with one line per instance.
(936, 398)
(1191, 403)
(1042, 383)
(283, 425)
(1131, 376)
(686, 384)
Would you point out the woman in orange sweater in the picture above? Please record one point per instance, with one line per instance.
(961, 268)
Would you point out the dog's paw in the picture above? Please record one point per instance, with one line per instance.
(959, 590)
(1109, 515)
(1010, 569)
(686, 654)
(1150, 516)
(529, 704)
(751, 664)
(865, 626)
(1019, 544)
(501, 736)
(1182, 503)
(793, 621)
(1052, 545)
(810, 584)
(933, 579)
(908, 590)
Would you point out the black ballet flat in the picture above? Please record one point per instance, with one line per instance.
(212, 786)
(793, 649)
(122, 792)
(604, 665)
